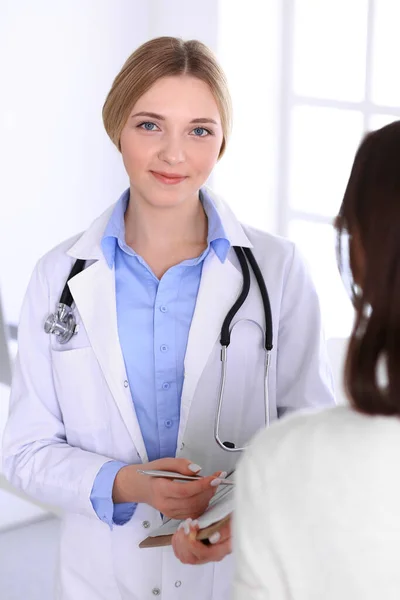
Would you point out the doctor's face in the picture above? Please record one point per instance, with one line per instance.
(171, 141)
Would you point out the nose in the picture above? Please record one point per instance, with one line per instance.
(172, 151)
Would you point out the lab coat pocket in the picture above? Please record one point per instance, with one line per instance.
(82, 392)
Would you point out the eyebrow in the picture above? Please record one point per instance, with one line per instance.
(161, 118)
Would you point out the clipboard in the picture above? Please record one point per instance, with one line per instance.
(166, 540)
(214, 517)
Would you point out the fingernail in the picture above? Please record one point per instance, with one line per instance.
(215, 537)
(194, 468)
(223, 475)
(186, 526)
(195, 523)
(215, 482)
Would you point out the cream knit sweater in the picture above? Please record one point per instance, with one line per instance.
(318, 510)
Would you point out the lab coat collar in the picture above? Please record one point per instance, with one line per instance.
(88, 246)
(233, 229)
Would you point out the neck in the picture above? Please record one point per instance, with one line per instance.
(148, 226)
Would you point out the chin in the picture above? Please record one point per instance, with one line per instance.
(160, 197)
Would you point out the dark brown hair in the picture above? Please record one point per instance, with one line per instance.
(370, 216)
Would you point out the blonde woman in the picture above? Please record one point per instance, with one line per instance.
(153, 278)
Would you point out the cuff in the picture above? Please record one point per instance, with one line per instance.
(101, 496)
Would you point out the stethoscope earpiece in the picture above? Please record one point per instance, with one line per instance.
(230, 445)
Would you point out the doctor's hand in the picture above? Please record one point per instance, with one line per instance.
(173, 499)
(193, 552)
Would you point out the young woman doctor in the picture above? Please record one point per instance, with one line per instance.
(139, 381)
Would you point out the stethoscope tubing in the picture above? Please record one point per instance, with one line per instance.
(245, 257)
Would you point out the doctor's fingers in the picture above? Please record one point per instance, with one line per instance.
(205, 485)
(212, 553)
(224, 533)
(193, 552)
(184, 508)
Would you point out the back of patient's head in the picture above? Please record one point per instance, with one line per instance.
(370, 215)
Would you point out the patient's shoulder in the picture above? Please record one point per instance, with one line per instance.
(337, 434)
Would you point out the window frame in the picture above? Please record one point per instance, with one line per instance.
(289, 101)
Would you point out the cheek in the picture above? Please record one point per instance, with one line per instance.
(134, 155)
(205, 158)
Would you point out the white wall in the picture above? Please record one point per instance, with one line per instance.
(189, 19)
(247, 175)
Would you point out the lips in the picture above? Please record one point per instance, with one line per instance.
(168, 178)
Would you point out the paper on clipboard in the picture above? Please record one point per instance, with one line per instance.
(219, 508)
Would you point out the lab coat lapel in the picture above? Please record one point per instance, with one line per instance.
(219, 288)
(93, 291)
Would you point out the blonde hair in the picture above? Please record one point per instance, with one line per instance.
(164, 57)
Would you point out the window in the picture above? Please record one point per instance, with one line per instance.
(337, 83)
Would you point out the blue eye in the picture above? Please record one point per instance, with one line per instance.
(148, 126)
(201, 132)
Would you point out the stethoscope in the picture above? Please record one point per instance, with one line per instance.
(63, 325)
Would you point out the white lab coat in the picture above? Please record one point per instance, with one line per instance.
(320, 520)
(72, 411)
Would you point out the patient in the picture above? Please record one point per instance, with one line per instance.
(318, 495)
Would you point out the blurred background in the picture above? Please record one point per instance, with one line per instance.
(308, 78)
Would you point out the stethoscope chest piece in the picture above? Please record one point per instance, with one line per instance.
(62, 323)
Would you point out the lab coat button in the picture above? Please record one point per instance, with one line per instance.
(178, 583)
(156, 591)
(146, 524)
(126, 383)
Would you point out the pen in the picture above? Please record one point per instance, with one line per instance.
(170, 475)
